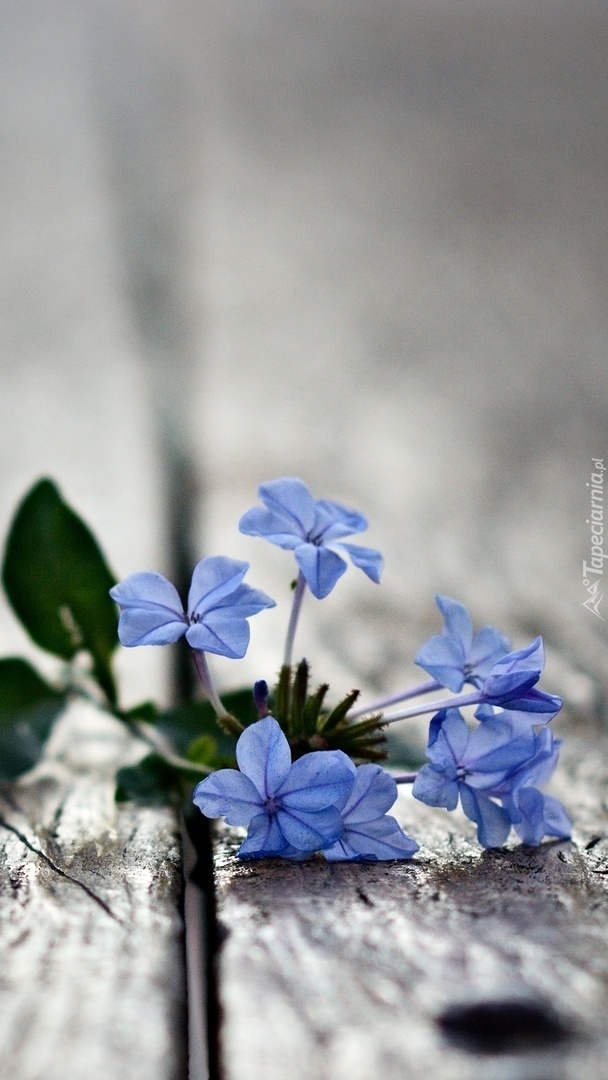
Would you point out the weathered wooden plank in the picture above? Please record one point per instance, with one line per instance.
(93, 979)
(90, 925)
(396, 285)
(401, 254)
(460, 963)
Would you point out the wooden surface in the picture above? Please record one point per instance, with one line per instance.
(364, 244)
(403, 273)
(90, 924)
(93, 979)
(460, 964)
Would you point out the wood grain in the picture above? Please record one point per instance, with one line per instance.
(401, 259)
(93, 976)
(90, 922)
(460, 963)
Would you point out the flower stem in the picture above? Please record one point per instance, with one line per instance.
(204, 672)
(293, 618)
(455, 702)
(163, 748)
(405, 778)
(394, 699)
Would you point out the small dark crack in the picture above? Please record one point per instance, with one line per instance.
(593, 842)
(57, 870)
(365, 898)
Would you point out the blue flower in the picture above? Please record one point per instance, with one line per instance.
(218, 608)
(517, 716)
(455, 657)
(500, 759)
(293, 519)
(368, 833)
(288, 808)
(533, 813)
(511, 682)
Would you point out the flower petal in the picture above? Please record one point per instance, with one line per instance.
(291, 498)
(457, 621)
(527, 813)
(151, 610)
(452, 740)
(213, 579)
(539, 768)
(557, 822)
(316, 780)
(372, 841)
(508, 686)
(263, 754)
(493, 822)
(517, 671)
(367, 559)
(321, 568)
(222, 634)
(243, 602)
(373, 793)
(538, 702)
(526, 716)
(487, 648)
(333, 521)
(264, 839)
(498, 745)
(443, 658)
(433, 787)
(229, 794)
(277, 528)
(308, 830)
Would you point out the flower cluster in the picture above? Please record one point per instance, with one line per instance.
(320, 802)
(307, 779)
(494, 771)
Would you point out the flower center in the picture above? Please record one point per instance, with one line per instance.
(271, 805)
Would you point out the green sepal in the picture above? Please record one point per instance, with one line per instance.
(311, 717)
(338, 713)
(29, 707)
(299, 696)
(282, 698)
(58, 583)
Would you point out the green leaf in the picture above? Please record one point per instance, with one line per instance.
(241, 704)
(203, 750)
(58, 583)
(151, 781)
(146, 711)
(185, 724)
(28, 709)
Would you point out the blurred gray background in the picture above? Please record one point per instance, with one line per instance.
(360, 241)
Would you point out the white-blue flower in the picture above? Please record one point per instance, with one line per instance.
(288, 808)
(369, 834)
(455, 656)
(218, 608)
(503, 758)
(313, 529)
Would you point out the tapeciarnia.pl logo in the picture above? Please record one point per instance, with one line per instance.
(593, 571)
